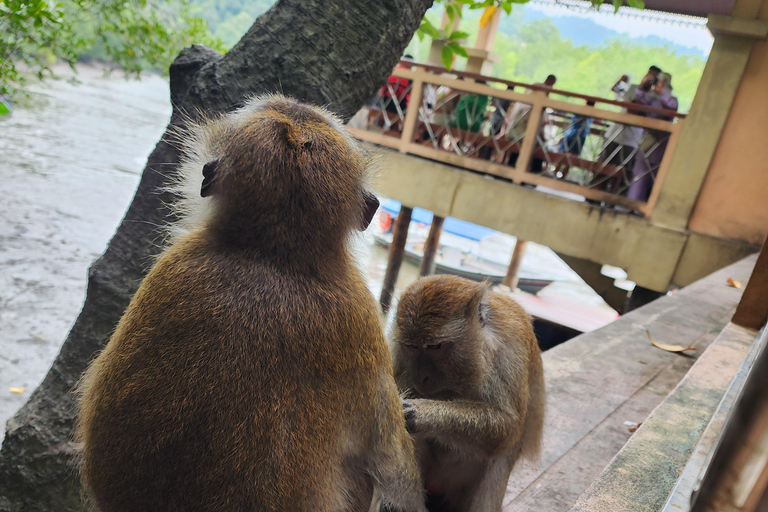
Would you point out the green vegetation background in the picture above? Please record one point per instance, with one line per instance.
(528, 51)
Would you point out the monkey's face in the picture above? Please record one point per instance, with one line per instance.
(438, 337)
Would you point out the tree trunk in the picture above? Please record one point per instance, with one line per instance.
(333, 53)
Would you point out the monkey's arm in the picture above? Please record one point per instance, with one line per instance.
(464, 423)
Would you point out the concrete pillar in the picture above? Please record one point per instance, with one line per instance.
(480, 58)
(396, 253)
(700, 135)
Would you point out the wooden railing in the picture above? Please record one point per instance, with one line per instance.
(540, 137)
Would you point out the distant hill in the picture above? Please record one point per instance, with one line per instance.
(586, 56)
(230, 19)
(583, 31)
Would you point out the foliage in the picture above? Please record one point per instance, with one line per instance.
(229, 19)
(135, 35)
(528, 52)
(538, 49)
(451, 40)
(149, 33)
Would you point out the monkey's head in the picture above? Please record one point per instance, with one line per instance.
(276, 169)
(439, 336)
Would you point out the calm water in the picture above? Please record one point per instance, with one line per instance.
(69, 163)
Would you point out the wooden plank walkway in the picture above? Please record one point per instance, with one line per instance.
(601, 379)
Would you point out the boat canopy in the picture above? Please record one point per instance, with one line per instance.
(451, 225)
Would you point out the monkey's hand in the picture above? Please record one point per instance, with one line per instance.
(465, 424)
(409, 410)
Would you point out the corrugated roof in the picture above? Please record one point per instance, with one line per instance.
(683, 12)
(691, 7)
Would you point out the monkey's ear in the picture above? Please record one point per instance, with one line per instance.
(478, 306)
(369, 209)
(209, 173)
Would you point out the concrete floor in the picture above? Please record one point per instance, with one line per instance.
(600, 380)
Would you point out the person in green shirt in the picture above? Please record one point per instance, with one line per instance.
(470, 112)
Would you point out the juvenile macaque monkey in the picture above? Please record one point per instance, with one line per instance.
(250, 371)
(468, 365)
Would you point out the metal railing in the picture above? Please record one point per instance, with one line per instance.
(532, 137)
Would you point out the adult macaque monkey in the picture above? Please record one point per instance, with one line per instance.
(250, 371)
(469, 368)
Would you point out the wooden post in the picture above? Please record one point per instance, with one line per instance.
(427, 267)
(412, 114)
(396, 253)
(531, 132)
(752, 311)
(513, 272)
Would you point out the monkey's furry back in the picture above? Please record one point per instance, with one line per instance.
(250, 372)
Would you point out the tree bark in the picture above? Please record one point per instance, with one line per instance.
(333, 53)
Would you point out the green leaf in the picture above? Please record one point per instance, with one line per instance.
(446, 54)
(637, 4)
(449, 10)
(457, 49)
(429, 29)
(458, 35)
(507, 6)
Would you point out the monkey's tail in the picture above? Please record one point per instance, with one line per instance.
(534, 416)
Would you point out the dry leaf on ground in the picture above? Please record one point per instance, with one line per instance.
(668, 348)
(17, 390)
(735, 284)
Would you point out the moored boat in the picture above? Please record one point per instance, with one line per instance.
(463, 257)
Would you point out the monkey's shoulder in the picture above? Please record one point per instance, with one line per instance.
(214, 302)
(197, 270)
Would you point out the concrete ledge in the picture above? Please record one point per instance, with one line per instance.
(680, 498)
(643, 474)
(648, 252)
(599, 380)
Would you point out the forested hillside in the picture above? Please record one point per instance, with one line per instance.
(229, 19)
(529, 46)
(530, 50)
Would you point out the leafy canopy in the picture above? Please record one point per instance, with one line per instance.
(142, 34)
(135, 35)
(453, 40)
(528, 51)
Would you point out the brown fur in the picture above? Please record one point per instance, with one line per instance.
(249, 372)
(468, 364)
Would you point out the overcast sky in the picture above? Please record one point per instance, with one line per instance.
(696, 36)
